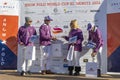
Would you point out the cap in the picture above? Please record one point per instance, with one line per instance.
(48, 18)
(89, 26)
(28, 19)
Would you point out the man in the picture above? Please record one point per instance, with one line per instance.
(24, 35)
(45, 44)
(95, 36)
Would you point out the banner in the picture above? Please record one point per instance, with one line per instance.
(62, 12)
(9, 11)
(113, 35)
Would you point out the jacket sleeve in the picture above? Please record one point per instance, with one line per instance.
(35, 33)
(80, 38)
(89, 36)
(66, 38)
(19, 36)
(99, 41)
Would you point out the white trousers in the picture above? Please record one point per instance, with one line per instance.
(25, 64)
(76, 59)
(45, 57)
(99, 57)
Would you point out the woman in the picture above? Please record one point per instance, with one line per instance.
(75, 62)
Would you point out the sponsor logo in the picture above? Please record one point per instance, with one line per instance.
(115, 4)
(81, 11)
(58, 60)
(65, 65)
(55, 11)
(67, 11)
(91, 69)
(3, 54)
(5, 5)
(28, 12)
(65, 26)
(94, 10)
(43, 12)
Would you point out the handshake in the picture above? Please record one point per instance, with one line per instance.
(54, 38)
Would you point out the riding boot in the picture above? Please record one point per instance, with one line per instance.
(98, 73)
(77, 70)
(70, 69)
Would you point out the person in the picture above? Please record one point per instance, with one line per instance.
(45, 44)
(95, 36)
(75, 62)
(25, 32)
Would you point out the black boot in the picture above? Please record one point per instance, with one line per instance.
(22, 73)
(28, 72)
(70, 69)
(98, 73)
(77, 71)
